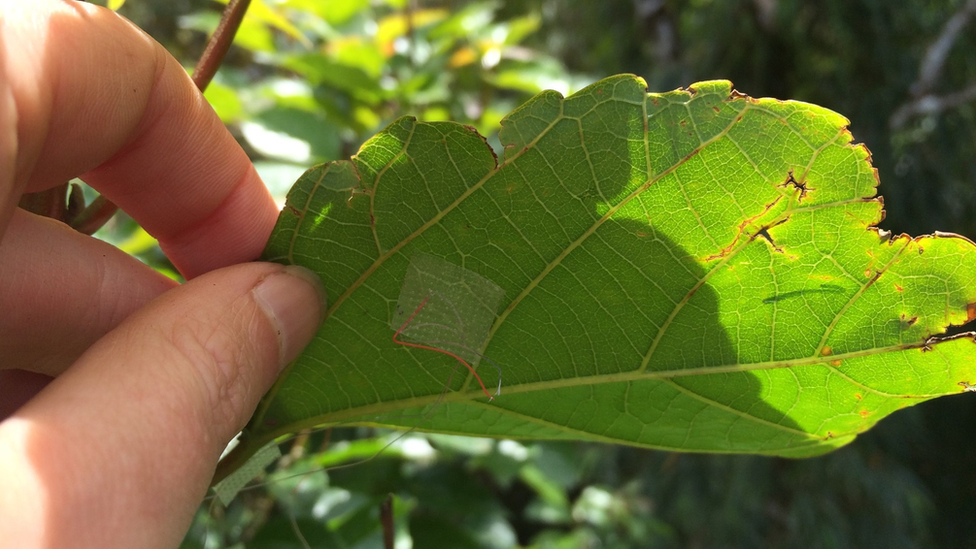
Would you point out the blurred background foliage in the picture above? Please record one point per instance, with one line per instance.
(309, 80)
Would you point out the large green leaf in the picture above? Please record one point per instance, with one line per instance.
(694, 270)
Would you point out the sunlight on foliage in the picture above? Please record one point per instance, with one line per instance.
(329, 65)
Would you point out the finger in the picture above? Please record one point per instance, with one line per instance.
(94, 95)
(62, 291)
(168, 388)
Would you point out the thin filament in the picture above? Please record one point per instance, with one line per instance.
(498, 390)
(442, 351)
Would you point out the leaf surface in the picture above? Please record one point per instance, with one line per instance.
(694, 270)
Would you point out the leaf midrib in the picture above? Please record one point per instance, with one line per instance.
(472, 397)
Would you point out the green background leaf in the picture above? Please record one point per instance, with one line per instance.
(694, 270)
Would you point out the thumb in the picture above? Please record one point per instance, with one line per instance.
(123, 445)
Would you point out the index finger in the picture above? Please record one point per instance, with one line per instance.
(95, 96)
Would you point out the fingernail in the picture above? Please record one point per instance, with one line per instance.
(295, 301)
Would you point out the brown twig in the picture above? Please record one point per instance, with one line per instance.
(54, 201)
(386, 519)
(51, 203)
(94, 216)
(219, 43)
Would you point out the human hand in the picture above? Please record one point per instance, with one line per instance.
(153, 379)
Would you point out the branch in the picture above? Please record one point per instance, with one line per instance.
(51, 203)
(932, 104)
(930, 70)
(386, 520)
(219, 43)
(96, 214)
(935, 56)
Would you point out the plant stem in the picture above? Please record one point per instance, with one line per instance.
(386, 519)
(219, 43)
(97, 214)
(51, 203)
(94, 216)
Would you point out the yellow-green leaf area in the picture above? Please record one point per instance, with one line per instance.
(695, 270)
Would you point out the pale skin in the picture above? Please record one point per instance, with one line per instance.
(152, 378)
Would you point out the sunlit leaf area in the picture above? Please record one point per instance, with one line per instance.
(309, 82)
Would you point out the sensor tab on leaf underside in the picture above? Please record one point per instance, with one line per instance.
(228, 488)
(460, 309)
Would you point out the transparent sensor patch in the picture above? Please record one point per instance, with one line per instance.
(453, 308)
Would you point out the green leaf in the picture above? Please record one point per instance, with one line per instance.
(261, 12)
(322, 70)
(292, 134)
(694, 270)
(335, 13)
(224, 101)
